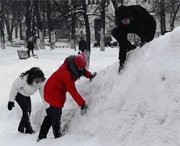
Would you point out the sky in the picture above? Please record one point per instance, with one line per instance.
(138, 107)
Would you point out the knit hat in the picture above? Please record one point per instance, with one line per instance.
(122, 12)
(80, 60)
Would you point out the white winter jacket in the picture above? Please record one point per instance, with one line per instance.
(20, 86)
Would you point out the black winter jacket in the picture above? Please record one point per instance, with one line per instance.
(30, 45)
(142, 23)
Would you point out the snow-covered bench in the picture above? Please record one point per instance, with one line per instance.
(23, 54)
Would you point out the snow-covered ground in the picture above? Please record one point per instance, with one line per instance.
(138, 107)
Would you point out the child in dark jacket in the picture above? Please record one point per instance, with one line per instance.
(60, 82)
(30, 46)
(132, 19)
(82, 45)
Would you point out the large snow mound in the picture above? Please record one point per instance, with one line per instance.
(141, 105)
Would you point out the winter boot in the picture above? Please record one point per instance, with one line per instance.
(44, 128)
(120, 66)
(29, 131)
(21, 127)
(56, 131)
(27, 124)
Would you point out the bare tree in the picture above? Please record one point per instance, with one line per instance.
(10, 17)
(76, 9)
(2, 24)
(174, 8)
(166, 9)
(20, 7)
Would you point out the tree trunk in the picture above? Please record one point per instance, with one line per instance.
(20, 30)
(2, 34)
(2, 26)
(8, 29)
(33, 26)
(11, 28)
(88, 34)
(9, 20)
(16, 31)
(73, 31)
(39, 24)
(162, 17)
(48, 5)
(175, 9)
(43, 6)
(41, 38)
(28, 20)
(102, 45)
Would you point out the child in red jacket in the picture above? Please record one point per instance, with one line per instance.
(60, 82)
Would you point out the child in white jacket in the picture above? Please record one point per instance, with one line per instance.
(23, 87)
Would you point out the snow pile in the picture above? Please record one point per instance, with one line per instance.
(141, 106)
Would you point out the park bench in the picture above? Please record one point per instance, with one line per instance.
(23, 54)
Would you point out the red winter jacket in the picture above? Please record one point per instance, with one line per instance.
(59, 83)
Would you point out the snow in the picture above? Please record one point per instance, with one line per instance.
(138, 107)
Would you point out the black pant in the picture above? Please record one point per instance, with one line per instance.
(120, 34)
(25, 104)
(53, 118)
(32, 50)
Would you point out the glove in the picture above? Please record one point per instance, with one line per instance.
(84, 108)
(92, 76)
(10, 105)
